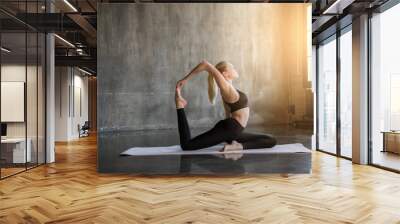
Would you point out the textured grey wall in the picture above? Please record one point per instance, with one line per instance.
(144, 49)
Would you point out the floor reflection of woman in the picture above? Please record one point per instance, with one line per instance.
(230, 130)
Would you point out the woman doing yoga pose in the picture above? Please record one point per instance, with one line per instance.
(229, 130)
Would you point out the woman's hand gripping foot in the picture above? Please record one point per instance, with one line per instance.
(179, 101)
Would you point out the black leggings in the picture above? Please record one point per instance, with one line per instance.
(224, 131)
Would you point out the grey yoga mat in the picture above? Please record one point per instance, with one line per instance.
(176, 150)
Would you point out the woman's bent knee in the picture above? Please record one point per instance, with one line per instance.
(273, 142)
(270, 142)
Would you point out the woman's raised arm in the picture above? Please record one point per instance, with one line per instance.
(204, 65)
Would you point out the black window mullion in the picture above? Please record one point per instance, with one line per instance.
(37, 89)
(317, 96)
(26, 86)
(369, 90)
(338, 80)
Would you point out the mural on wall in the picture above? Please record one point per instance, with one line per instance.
(144, 49)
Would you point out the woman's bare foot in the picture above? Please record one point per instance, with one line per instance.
(233, 150)
(233, 147)
(179, 101)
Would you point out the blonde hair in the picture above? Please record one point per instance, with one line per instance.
(212, 85)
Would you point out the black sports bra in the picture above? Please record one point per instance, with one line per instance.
(240, 104)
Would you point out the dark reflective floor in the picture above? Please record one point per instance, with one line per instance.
(111, 144)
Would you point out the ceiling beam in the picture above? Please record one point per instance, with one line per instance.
(84, 61)
(337, 7)
(85, 25)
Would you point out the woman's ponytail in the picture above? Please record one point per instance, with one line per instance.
(212, 85)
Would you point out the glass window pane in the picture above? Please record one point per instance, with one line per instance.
(14, 153)
(327, 96)
(385, 84)
(346, 94)
(31, 97)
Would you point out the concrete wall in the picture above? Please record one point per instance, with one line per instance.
(144, 49)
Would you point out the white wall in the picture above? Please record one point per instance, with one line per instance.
(62, 82)
(70, 83)
(17, 73)
(12, 73)
(79, 117)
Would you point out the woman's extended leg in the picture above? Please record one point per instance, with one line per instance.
(183, 125)
(255, 141)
